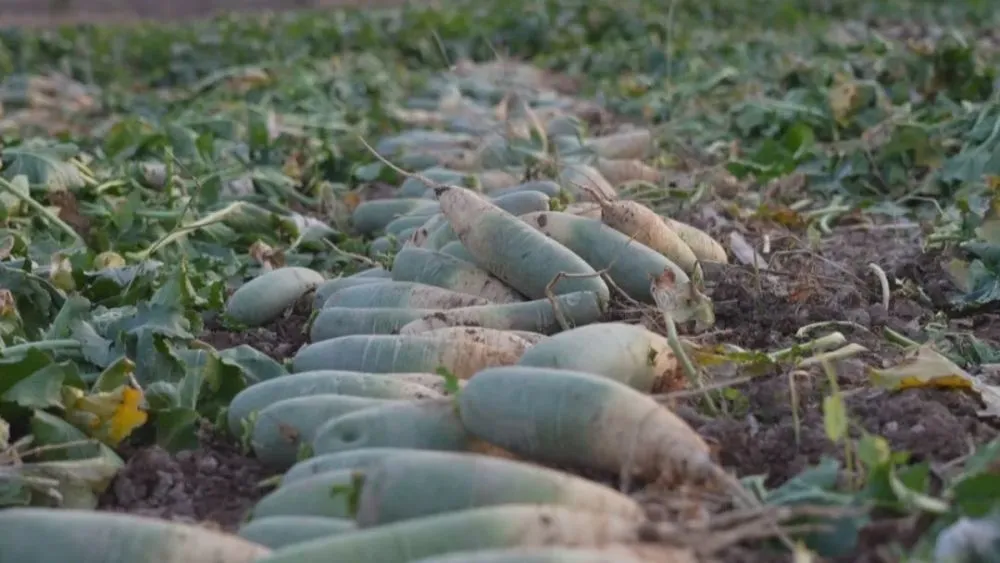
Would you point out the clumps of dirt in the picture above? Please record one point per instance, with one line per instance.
(279, 339)
(214, 485)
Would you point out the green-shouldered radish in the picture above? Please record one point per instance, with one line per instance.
(333, 322)
(540, 315)
(629, 263)
(44, 535)
(280, 531)
(422, 425)
(329, 287)
(428, 482)
(583, 181)
(265, 297)
(328, 495)
(371, 216)
(519, 255)
(403, 294)
(504, 526)
(322, 382)
(429, 267)
(627, 353)
(350, 459)
(577, 419)
(383, 353)
(282, 428)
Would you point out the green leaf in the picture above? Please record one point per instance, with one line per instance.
(114, 376)
(50, 430)
(43, 164)
(254, 365)
(18, 368)
(43, 388)
(177, 429)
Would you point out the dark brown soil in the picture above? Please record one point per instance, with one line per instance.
(279, 339)
(214, 485)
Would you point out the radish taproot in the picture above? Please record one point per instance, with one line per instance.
(577, 419)
(429, 425)
(280, 531)
(414, 264)
(384, 353)
(627, 353)
(329, 287)
(515, 341)
(403, 294)
(540, 315)
(634, 553)
(706, 248)
(45, 535)
(333, 322)
(349, 459)
(282, 428)
(265, 297)
(421, 483)
(520, 256)
(327, 494)
(583, 181)
(504, 526)
(371, 217)
(620, 171)
(637, 221)
(629, 263)
(322, 382)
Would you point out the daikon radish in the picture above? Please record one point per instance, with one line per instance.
(578, 419)
(581, 180)
(280, 429)
(620, 171)
(320, 495)
(634, 219)
(280, 531)
(400, 353)
(427, 425)
(629, 263)
(706, 248)
(636, 143)
(627, 353)
(47, 535)
(465, 530)
(350, 459)
(635, 553)
(421, 483)
(329, 287)
(415, 264)
(403, 294)
(370, 217)
(263, 298)
(323, 382)
(540, 315)
(506, 339)
(515, 253)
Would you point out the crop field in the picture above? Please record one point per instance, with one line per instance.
(585, 281)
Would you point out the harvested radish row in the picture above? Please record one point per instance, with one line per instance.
(350, 459)
(456, 249)
(45, 535)
(422, 483)
(384, 353)
(280, 531)
(323, 382)
(370, 217)
(515, 253)
(429, 267)
(629, 144)
(404, 222)
(629, 263)
(403, 294)
(280, 429)
(582, 420)
(636, 553)
(512, 525)
(263, 298)
(329, 287)
(428, 425)
(627, 353)
(579, 308)
(333, 322)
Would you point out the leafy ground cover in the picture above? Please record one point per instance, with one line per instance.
(846, 156)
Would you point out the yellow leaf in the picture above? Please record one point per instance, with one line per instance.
(923, 367)
(844, 99)
(128, 416)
